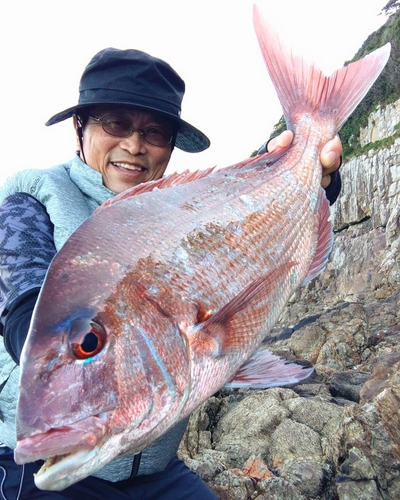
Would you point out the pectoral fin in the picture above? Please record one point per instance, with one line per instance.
(242, 320)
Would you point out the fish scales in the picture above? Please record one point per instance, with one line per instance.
(200, 239)
(211, 235)
(178, 282)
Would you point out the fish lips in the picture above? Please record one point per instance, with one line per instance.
(84, 435)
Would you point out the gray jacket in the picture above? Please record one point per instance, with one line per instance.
(70, 193)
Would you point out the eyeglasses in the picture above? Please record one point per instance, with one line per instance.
(118, 126)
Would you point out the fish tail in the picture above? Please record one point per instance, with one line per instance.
(302, 86)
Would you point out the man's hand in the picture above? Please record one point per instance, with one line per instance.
(330, 154)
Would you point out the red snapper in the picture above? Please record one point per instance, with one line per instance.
(161, 296)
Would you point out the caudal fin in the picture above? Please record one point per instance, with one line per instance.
(303, 87)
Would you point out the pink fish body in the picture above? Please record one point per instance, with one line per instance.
(161, 296)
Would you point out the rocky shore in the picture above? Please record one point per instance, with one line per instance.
(337, 435)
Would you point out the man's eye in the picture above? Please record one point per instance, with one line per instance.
(154, 131)
(118, 123)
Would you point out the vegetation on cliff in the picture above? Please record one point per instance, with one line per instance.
(387, 87)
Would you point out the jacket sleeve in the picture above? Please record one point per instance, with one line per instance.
(334, 188)
(26, 250)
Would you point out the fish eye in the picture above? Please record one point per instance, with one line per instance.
(86, 338)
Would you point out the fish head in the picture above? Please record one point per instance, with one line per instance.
(96, 381)
(65, 373)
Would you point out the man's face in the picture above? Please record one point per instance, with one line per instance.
(125, 162)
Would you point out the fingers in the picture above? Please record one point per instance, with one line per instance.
(330, 159)
(283, 140)
(330, 154)
(326, 180)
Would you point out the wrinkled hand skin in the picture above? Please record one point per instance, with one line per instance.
(330, 154)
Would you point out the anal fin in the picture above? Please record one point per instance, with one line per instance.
(264, 369)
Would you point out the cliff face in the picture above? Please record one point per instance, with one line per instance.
(382, 123)
(336, 436)
(372, 181)
(365, 260)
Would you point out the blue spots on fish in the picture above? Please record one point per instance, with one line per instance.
(181, 259)
(147, 348)
(313, 200)
(132, 222)
(294, 277)
(252, 203)
(86, 361)
(65, 324)
(246, 199)
(181, 253)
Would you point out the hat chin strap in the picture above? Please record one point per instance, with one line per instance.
(79, 133)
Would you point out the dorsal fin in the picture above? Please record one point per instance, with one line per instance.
(186, 176)
(165, 182)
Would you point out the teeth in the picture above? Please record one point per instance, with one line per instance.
(128, 166)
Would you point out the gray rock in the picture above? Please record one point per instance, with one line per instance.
(351, 490)
(336, 436)
(348, 384)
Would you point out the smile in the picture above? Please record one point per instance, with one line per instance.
(128, 166)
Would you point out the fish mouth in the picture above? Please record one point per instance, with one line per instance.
(56, 471)
(65, 450)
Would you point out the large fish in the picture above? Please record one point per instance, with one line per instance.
(161, 296)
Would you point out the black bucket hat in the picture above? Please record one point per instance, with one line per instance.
(134, 78)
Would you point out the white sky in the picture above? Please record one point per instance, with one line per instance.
(211, 43)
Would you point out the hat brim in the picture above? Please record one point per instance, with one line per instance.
(188, 138)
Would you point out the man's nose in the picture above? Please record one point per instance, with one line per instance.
(134, 143)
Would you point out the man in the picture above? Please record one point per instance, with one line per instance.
(127, 123)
